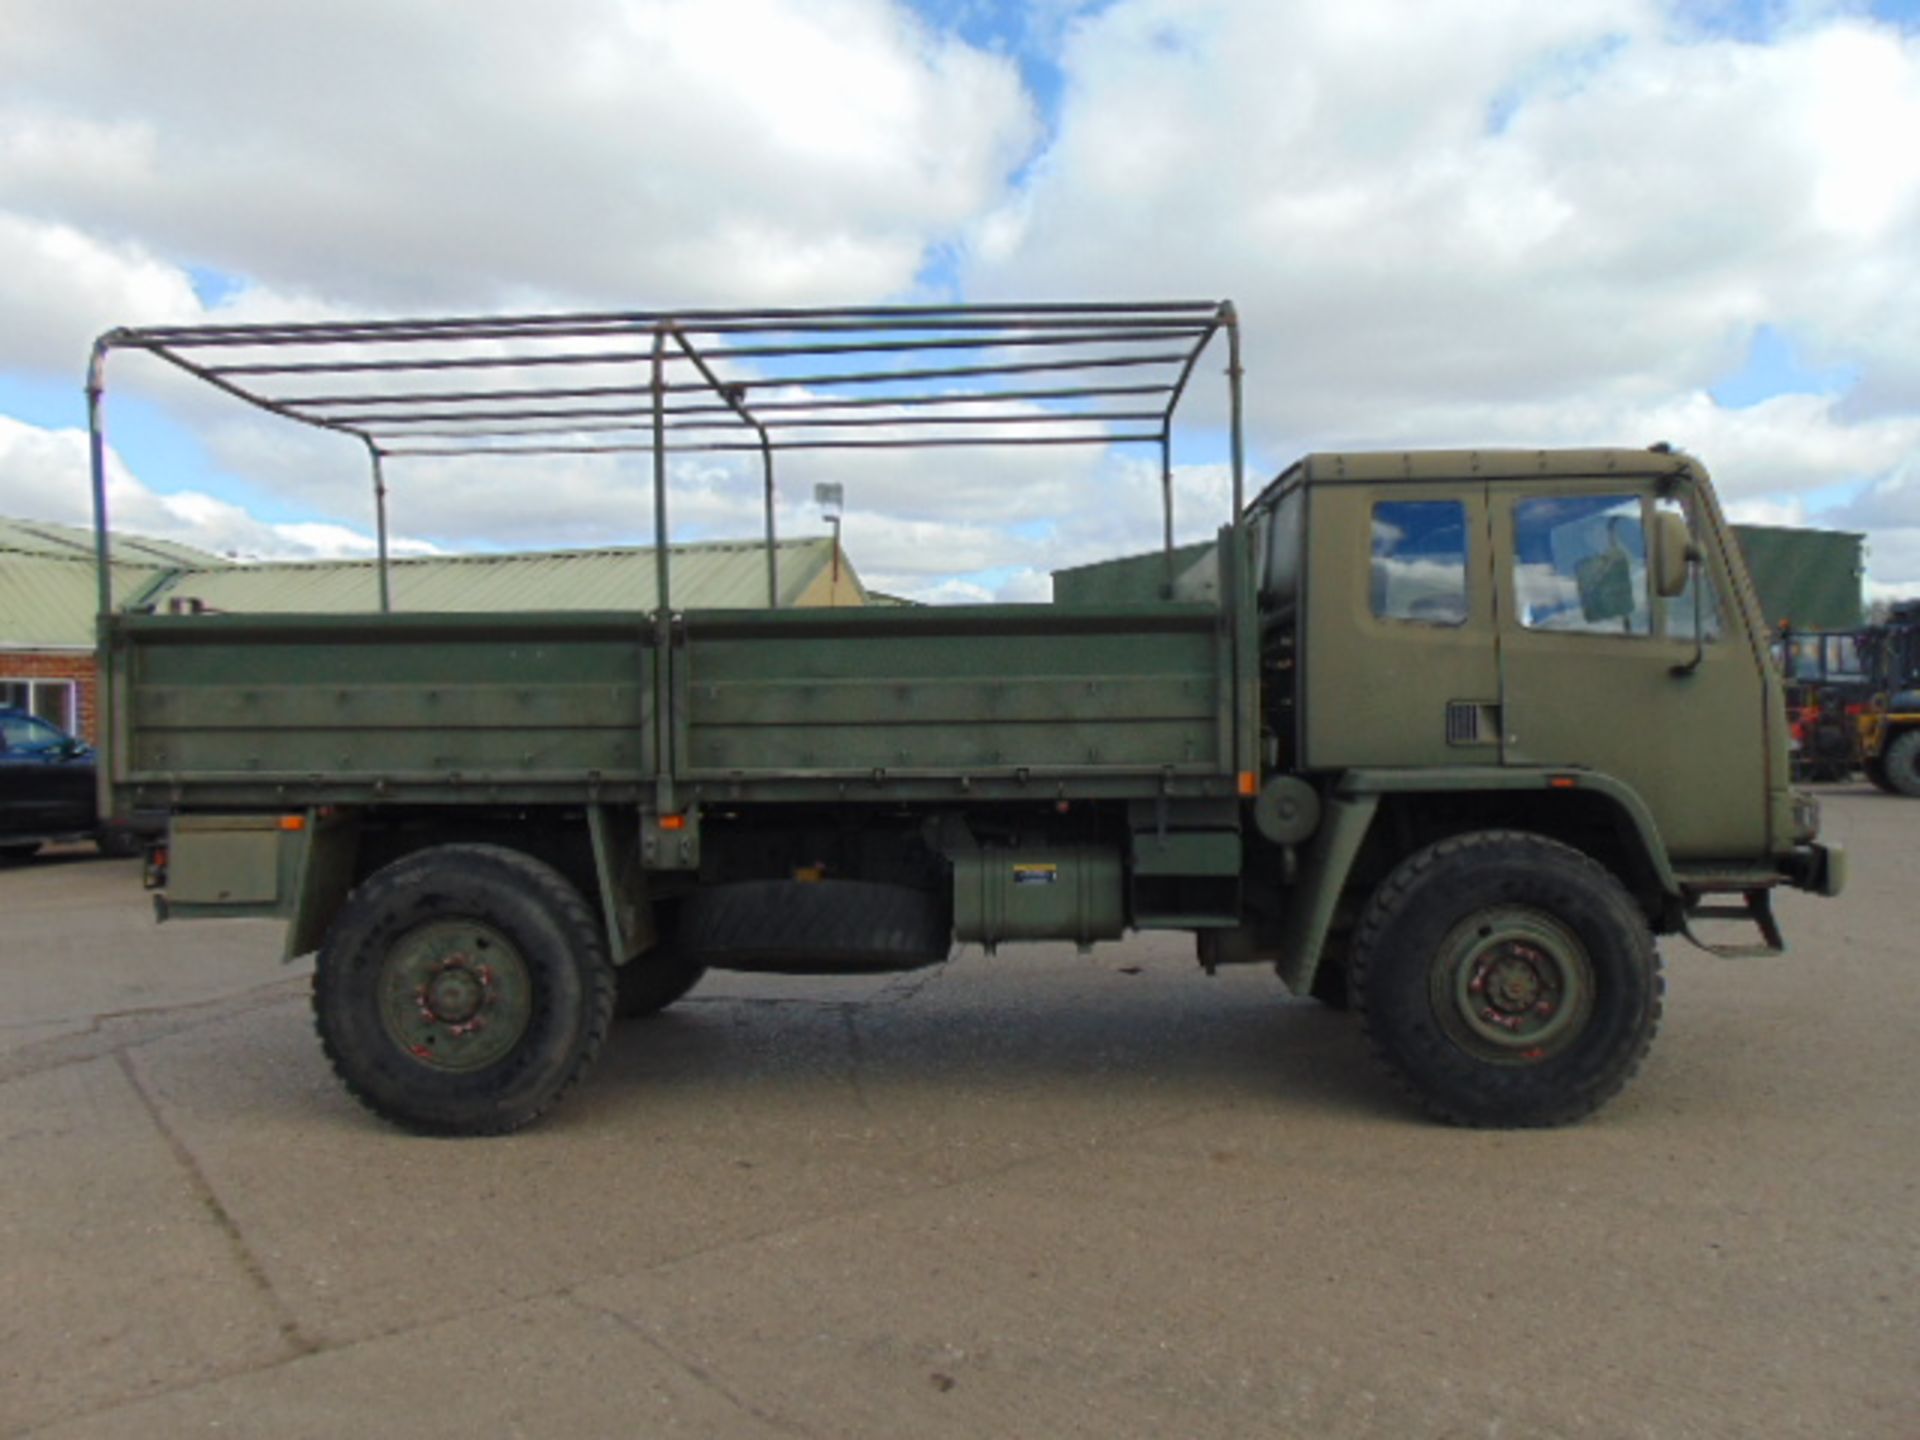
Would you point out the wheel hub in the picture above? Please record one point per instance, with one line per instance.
(1512, 985)
(1514, 981)
(455, 995)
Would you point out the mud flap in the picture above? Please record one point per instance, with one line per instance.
(1323, 876)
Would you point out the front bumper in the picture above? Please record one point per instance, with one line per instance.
(1819, 868)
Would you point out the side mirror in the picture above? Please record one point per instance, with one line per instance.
(1673, 553)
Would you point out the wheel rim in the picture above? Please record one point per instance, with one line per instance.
(1512, 985)
(455, 995)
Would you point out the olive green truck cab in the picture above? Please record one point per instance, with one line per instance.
(1452, 737)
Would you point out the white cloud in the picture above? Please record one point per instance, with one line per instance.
(442, 155)
(372, 158)
(43, 476)
(60, 287)
(1504, 223)
(1499, 223)
(947, 592)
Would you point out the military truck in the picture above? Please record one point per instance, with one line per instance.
(1450, 736)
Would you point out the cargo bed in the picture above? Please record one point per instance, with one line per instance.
(225, 711)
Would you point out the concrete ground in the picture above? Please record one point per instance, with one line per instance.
(1039, 1195)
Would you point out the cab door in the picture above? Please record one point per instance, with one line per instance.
(1399, 660)
(1598, 671)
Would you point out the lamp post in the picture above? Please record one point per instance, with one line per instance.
(832, 493)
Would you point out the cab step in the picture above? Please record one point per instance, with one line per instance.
(1755, 907)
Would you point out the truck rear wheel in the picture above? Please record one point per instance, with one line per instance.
(1902, 764)
(463, 990)
(1507, 980)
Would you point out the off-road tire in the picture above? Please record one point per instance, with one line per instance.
(649, 983)
(1901, 762)
(1875, 769)
(1514, 896)
(537, 920)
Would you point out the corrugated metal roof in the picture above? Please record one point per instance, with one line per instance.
(47, 586)
(728, 574)
(49, 604)
(47, 591)
(70, 542)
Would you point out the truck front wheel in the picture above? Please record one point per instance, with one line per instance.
(463, 990)
(1506, 979)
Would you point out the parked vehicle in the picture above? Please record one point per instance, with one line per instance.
(1829, 688)
(1890, 718)
(1853, 699)
(1451, 736)
(47, 791)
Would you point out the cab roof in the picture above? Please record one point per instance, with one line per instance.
(1324, 467)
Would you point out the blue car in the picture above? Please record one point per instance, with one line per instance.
(47, 791)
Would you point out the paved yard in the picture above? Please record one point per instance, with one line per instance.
(1038, 1195)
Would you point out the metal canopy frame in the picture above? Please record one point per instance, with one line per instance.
(710, 381)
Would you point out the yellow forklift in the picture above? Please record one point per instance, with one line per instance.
(1890, 719)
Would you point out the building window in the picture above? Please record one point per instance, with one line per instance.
(1420, 561)
(52, 700)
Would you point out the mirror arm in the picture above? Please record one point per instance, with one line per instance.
(1697, 575)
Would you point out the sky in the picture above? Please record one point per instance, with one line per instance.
(1491, 224)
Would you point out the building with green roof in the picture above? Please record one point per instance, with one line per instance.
(49, 592)
(702, 575)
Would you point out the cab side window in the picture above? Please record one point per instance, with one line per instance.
(1420, 561)
(1580, 564)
